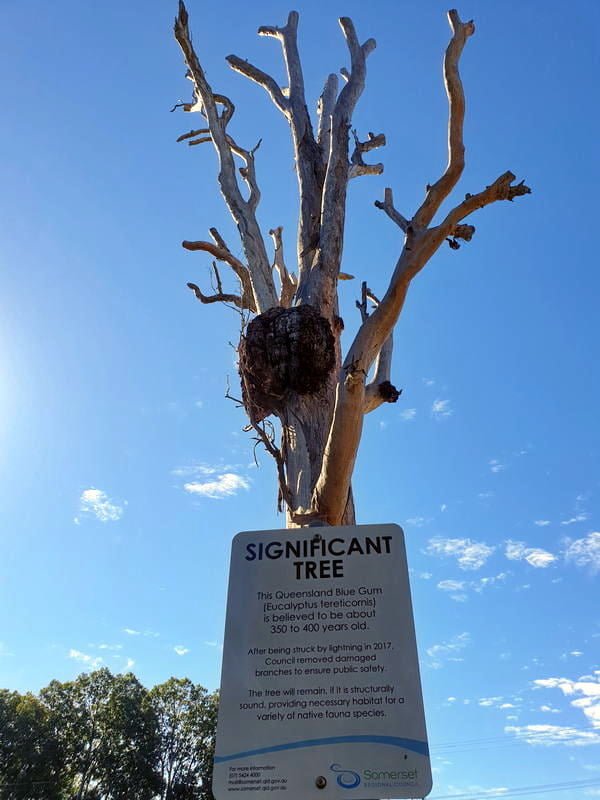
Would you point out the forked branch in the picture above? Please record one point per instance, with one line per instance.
(243, 212)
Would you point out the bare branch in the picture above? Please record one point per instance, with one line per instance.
(381, 390)
(219, 297)
(501, 189)
(285, 493)
(242, 211)
(191, 134)
(325, 107)
(393, 214)
(358, 166)
(309, 160)
(222, 253)
(333, 205)
(437, 193)
(262, 79)
(288, 282)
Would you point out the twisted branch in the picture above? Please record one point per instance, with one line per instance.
(437, 193)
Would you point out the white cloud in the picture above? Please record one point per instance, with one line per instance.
(223, 486)
(181, 650)
(110, 647)
(214, 643)
(518, 551)
(133, 632)
(448, 651)
(417, 522)
(441, 409)
(203, 469)
(585, 552)
(469, 554)
(90, 661)
(582, 517)
(586, 693)
(129, 663)
(548, 735)
(483, 583)
(496, 466)
(408, 414)
(541, 523)
(428, 381)
(487, 702)
(451, 586)
(96, 503)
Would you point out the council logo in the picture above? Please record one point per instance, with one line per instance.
(346, 778)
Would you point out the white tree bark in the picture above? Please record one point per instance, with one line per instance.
(321, 429)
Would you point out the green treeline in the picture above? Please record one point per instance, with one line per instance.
(106, 737)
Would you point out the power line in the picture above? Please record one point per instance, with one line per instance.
(519, 791)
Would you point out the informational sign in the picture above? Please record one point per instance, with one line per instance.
(320, 689)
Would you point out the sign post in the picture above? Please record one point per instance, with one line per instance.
(320, 688)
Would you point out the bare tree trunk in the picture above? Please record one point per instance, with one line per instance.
(290, 359)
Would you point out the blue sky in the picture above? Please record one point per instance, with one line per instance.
(124, 472)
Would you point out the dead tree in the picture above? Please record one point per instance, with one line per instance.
(290, 360)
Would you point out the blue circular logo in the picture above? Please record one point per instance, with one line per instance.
(347, 778)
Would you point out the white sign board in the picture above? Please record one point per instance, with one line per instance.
(320, 689)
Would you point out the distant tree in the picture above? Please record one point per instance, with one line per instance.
(107, 736)
(186, 720)
(290, 354)
(30, 761)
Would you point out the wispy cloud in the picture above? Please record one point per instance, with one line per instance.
(134, 632)
(96, 503)
(581, 517)
(448, 651)
(488, 702)
(541, 523)
(181, 650)
(417, 522)
(214, 643)
(202, 470)
(93, 662)
(441, 409)
(469, 554)
(536, 556)
(408, 414)
(484, 583)
(461, 587)
(495, 465)
(451, 586)
(225, 485)
(585, 552)
(548, 735)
